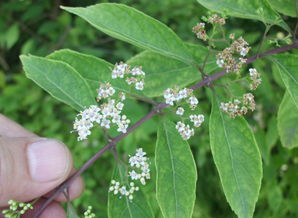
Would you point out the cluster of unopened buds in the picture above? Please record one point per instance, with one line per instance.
(88, 213)
(116, 188)
(16, 209)
(216, 19)
(255, 77)
(140, 164)
(200, 31)
(238, 107)
(175, 95)
(227, 59)
(132, 76)
(185, 130)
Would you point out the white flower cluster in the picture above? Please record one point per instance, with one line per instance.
(185, 130)
(226, 58)
(105, 91)
(175, 95)
(141, 172)
(141, 163)
(255, 77)
(133, 76)
(237, 107)
(16, 209)
(197, 119)
(104, 115)
(88, 213)
(123, 191)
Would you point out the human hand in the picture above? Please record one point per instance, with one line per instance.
(31, 166)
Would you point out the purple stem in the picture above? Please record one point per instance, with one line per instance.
(155, 111)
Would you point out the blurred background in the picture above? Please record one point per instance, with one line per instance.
(39, 27)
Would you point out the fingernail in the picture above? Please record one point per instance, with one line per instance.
(48, 160)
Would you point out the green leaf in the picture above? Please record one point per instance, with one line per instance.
(71, 213)
(60, 80)
(238, 160)
(130, 25)
(94, 70)
(161, 70)
(12, 36)
(287, 119)
(287, 65)
(123, 207)
(252, 9)
(176, 173)
(286, 7)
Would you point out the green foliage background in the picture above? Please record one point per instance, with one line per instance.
(40, 27)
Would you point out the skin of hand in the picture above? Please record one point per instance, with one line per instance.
(31, 166)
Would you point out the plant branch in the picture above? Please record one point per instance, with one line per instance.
(207, 81)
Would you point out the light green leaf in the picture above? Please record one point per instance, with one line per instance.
(123, 207)
(60, 80)
(94, 70)
(130, 25)
(252, 9)
(287, 119)
(238, 160)
(161, 70)
(176, 173)
(12, 36)
(286, 7)
(287, 65)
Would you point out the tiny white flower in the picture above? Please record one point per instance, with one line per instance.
(180, 111)
(137, 71)
(220, 62)
(122, 96)
(119, 70)
(119, 106)
(139, 85)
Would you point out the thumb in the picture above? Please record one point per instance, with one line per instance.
(31, 167)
